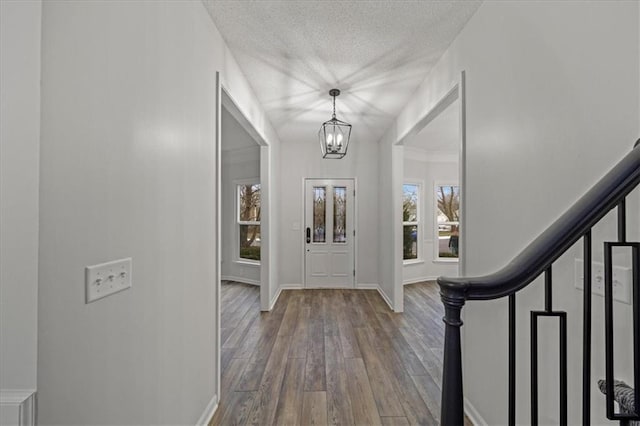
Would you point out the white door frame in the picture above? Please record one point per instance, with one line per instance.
(303, 279)
(456, 92)
(225, 97)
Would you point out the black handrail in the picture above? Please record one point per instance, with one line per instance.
(559, 237)
(537, 258)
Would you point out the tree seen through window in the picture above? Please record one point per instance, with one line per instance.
(249, 221)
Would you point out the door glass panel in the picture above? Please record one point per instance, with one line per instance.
(319, 213)
(339, 214)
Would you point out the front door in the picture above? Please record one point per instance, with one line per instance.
(329, 233)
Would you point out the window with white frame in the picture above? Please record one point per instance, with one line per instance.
(410, 221)
(447, 221)
(248, 218)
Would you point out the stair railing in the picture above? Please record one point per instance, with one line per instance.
(537, 259)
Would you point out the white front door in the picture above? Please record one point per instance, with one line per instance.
(329, 233)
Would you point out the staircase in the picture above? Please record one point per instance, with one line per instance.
(536, 260)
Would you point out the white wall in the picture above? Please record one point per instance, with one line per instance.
(19, 171)
(128, 169)
(552, 104)
(428, 174)
(237, 165)
(302, 159)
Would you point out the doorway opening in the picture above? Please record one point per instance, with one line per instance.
(329, 246)
(430, 178)
(242, 260)
(241, 194)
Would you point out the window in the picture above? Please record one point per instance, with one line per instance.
(249, 222)
(447, 221)
(410, 220)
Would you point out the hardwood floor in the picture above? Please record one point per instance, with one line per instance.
(330, 357)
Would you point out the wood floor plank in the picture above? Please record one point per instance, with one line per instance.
(429, 391)
(229, 400)
(430, 360)
(289, 408)
(267, 396)
(355, 314)
(348, 341)
(362, 401)
(339, 410)
(399, 379)
(414, 406)
(260, 355)
(300, 345)
(315, 379)
(394, 421)
(314, 408)
(385, 396)
(241, 403)
(231, 374)
(242, 327)
(291, 314)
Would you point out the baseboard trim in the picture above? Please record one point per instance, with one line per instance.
(240, 280)
(385, 298)
(18, 407)
(275, 298)
(371, 286)
(473, 414)
(418, 280)
(292, 286)
(209, 411)
(366, 286)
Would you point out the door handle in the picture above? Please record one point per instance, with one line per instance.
(308, 235)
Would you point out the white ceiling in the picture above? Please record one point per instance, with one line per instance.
(375, 52)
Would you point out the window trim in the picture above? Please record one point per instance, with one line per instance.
(436, 235)
(236, 245)
(418, 223)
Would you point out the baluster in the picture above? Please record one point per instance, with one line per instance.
(586, 333)
(548, 292)
(512, 359)
(622, 221)
(608, 318)
(636, 324)
(562, 316)
(534, 369)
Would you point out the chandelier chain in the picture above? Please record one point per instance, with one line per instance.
(334, 106)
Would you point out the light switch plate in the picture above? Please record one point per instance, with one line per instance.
(622, 282)
(106, 279)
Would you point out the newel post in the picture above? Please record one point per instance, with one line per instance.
(452, 396)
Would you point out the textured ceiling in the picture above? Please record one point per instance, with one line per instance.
(375, 52)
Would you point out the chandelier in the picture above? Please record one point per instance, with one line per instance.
(334, 134)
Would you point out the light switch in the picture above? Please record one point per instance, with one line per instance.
(622, 282)
(106, 279)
